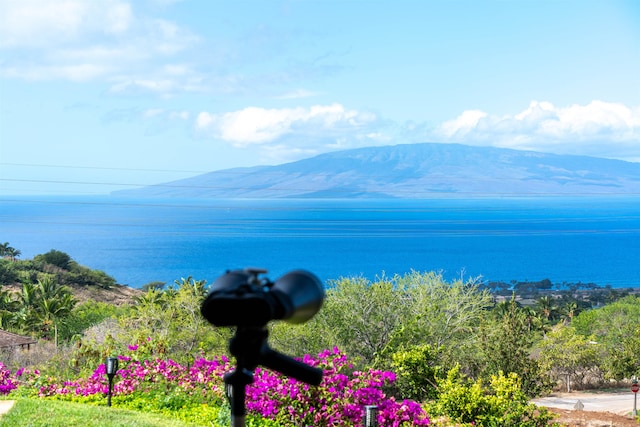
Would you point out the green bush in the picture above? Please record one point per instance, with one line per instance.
(416, 372)
(54, 257)
(501, 403)
(84, 276)
(8, 272)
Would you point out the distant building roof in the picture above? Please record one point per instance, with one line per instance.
(9, 339)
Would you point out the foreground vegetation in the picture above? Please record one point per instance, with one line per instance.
(32, 413)
(451, 350)
(196, 394)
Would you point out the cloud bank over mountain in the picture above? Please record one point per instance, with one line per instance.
(576, 129)
(599, 128)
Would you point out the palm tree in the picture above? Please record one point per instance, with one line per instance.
(547, 307)
(27, 302)
(569, 310)
(197, 288)
(12, 253)
(152, 297)
(3, 248)
(52, 312)
(8, 309)
(6, 250)
(534, 321)
(45, 306)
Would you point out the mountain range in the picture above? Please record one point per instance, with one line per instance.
(413, 171)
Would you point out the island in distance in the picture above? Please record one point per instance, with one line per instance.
(424, 170)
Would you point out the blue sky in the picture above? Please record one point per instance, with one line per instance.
(100, 95)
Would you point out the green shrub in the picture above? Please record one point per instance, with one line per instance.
(459, 398)
(502, 403)
(84, 276)
(54, 257)
(416, 372)
(8, 272)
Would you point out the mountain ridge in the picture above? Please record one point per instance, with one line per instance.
(412, 171)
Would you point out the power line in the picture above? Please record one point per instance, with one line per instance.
(35, 165)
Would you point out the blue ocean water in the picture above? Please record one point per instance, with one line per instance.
(595, 240)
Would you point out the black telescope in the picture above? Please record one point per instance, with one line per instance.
(242, 299)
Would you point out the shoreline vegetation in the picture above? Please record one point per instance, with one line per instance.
(458, 353)
(96, 285)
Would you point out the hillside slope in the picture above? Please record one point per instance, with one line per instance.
(413, 171)
(116, 294)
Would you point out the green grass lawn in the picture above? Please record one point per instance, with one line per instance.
(53, 413)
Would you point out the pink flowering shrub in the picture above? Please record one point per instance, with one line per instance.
(200, 383)
(338, 401)
(7, 384)
(186, 391)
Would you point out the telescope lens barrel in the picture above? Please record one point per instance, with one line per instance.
(300, 293)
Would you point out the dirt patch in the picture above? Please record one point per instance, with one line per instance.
(573, 418)
(116, 294)
(5, 406)
(599, 408)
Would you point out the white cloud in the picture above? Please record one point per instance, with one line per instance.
(39, 23)
(78, 72)
(599, 128)
(287, 134)
(255, 126)
(463, 124)
(82, 40)
(297, 94)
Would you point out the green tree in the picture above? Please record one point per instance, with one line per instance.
(616, 328)
(358, 316)
(171, 319)
(53, 304)
(371, 320)
(8, 272)
(547, 307)
(87, 314)
(507, 342)
(26, 305)
(56, 258)
(8, 309)
(568, 311)
(364, 316)
(13, 253)
(445, 315)
(568, 356)
(43, 307)
(7, 251)
(193, 331)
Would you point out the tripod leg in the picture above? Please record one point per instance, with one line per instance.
(237, 421)
(238, 409)
(238, 380)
